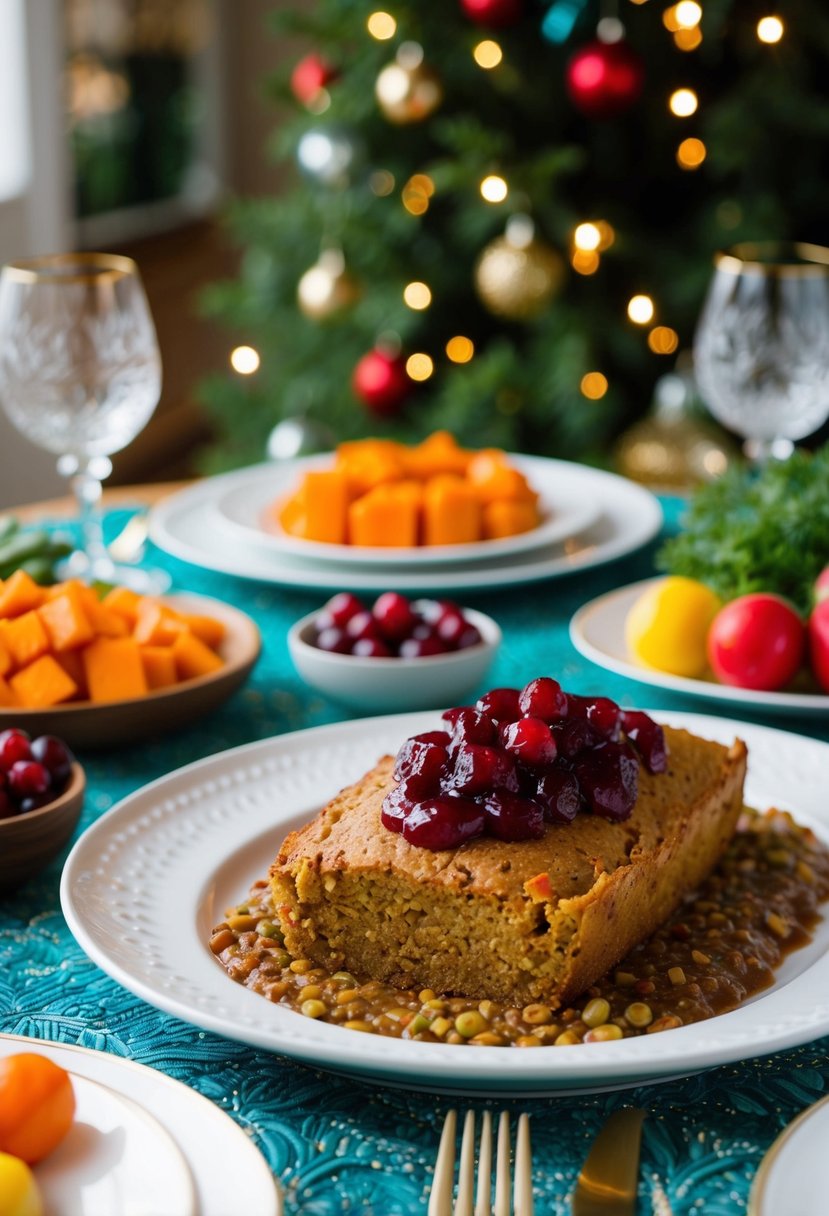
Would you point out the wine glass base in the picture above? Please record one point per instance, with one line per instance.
(102, 569)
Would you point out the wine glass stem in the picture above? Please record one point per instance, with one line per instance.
(87, 490)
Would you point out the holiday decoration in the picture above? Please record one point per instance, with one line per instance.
(309, 78)
(517, 274)
(301, 436)
(330, 155)
(381, 382)
(605, 78)
(494, 13)
(407, 90)
(327, 287)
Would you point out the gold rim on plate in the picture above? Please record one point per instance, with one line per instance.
(784, 259)
(91, 268)
(759, 1186)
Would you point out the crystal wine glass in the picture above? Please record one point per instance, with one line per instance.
(80, 375)
(761, 353)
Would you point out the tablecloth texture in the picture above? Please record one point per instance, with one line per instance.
(340, 1145)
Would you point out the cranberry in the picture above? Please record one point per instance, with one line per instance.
(421, 648)
(559, 794)
(431, 611)
(362, 625)
(470, 637)
(500, 704)
(441, 737)
(468, 726)
(648, 738)
(443, 823)
(27, 777)
(7, 807)
(393, 613)
(35, 802)
(14, 746)
(609, 779)
(55, 756)
(530, 741)
(510, 817)
(334, 641)
(396, 804)
(478, 769)
(341, 608)
(603, 714)
(543, 698)
(450, 627)
(371, 648)
(421, 630)
(575, 737)
(422, 765)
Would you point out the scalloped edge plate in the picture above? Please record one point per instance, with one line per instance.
(794, 1174)
(184, 848)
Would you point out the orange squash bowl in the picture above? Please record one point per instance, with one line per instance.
(29, 842)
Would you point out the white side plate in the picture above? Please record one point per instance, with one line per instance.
(794, 1175)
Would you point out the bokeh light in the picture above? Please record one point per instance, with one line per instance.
(244, 360)
(494, 189)
(691, 153)
(594, 385)
(663, 340)
(770, 29)
(417, 295)
(683, 103)
(382, 26)
(640, 309)
(419, 366)
(487, 54)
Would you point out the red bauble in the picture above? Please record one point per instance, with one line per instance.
(496, 13)
(605, 78)
(310, 76)
(381, 382)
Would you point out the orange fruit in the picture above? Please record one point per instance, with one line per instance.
(37, 1106)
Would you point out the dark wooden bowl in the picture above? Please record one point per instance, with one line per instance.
(29, 842)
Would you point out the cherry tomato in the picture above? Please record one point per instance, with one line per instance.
(756, 641)
(819, 643)
(667, 626)
(37, 1105)
(19, 1195)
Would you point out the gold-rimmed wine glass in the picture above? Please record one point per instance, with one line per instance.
(761, 353)
(80, 375)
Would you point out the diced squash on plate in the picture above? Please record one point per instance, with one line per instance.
(156, 624)
(123, 602)
(42, 683)
(66, 619)
(389, 515)
(72, 663)
(114, 671)
(206, 628)
(8, 697)
(504, 518)
(160, 668)
(6, 661)
(26, 638)
(193, 658)
(451, 512)
(20, 593)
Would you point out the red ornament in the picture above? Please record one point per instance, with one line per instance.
(381, 382)
(310, 76)
(496, 13)
(605, 78)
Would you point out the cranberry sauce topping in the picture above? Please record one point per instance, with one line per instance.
(394, 627)
(517, 760)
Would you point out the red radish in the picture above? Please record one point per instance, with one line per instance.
(756, 641)
(819, 642)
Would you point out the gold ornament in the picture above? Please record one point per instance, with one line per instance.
(407, 90)
(327, 287)
(517, 275)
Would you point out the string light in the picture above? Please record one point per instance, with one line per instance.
(419, 366)
(381, 183)
(244, 360)
(382, 26)
(593, 385)
(669, 19)
(487, 54)
(460, 349)
(688, 40)
(663, 340)
(607, 235)
(417, 296)
(494, 189)
(585, 261)
(587, 237)
(691, 153)
(687, 14)
(417, 192)
(770, 29)
(640, 309)
(683, 103)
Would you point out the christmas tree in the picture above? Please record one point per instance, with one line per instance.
(505, 211)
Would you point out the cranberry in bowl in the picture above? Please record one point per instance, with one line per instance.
(393, 654)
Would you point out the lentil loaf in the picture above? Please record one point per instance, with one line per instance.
(517, 921)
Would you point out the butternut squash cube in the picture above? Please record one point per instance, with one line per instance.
(505, 518)
(438, 453)
(494, 477)
(66, 620)
(72, 663)
(325, 502)
(451, 512)
(193, 658)
(123, 602)
(6, 662)
(156, 624)
(26, 638)
(159, 666)
(387, 516)
(42, 683)
(206, 628)
(290, 515)
(20, 594)
(106, 623)
(114, 671)
(8, 697)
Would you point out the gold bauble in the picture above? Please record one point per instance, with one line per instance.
(408, 92)
(327, 287)
(518, 281)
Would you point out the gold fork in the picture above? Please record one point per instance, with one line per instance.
(440, 1196)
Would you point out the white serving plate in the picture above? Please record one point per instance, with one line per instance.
(793, 1179)
(242, 500)
(143, 1144)
(597, 631)
(628, 517)
(177, 853)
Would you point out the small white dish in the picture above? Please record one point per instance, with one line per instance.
(794, 1174)
(395, 685)
(597, 631)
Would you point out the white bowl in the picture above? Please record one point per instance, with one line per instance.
(395, 685)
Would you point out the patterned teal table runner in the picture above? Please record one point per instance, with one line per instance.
(340, 1146)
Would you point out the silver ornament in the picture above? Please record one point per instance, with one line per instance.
(330, 155)
(294, 437)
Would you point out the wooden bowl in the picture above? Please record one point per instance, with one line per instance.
(29, 842)
(85, 724)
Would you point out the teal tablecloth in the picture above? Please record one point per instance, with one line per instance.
(338, 1145)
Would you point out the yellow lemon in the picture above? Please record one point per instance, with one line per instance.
(19, 1195)
(667, 627)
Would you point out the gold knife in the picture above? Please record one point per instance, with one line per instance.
(608, 1181)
